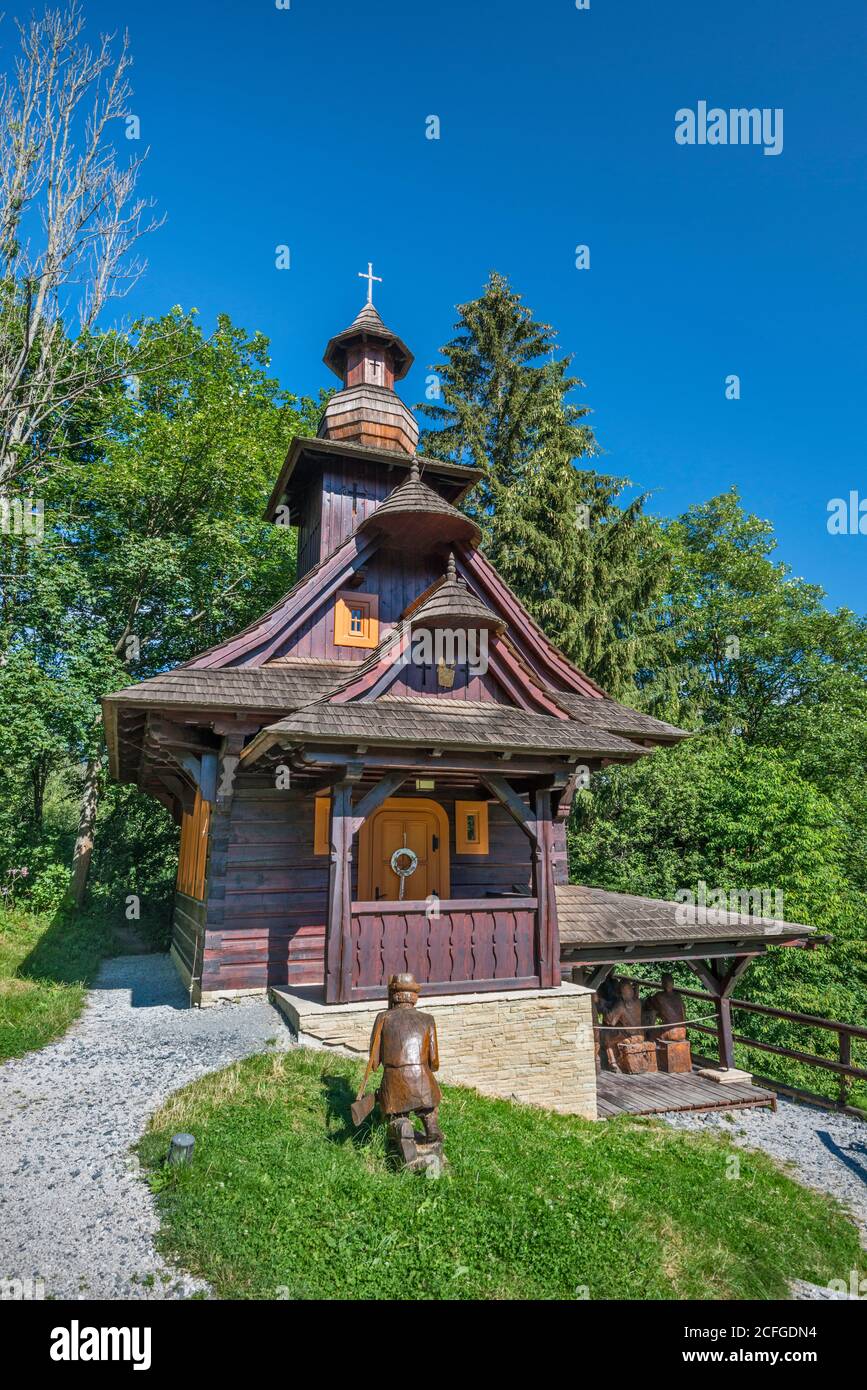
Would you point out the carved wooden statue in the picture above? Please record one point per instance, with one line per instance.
(404, 1044)
(672, 1048)
(625, 1047)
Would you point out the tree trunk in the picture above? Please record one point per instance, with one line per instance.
(86, 822)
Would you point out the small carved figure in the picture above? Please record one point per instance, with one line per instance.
(623, 1036)
(673, 1053)
(404, 1044)
(667, 1005)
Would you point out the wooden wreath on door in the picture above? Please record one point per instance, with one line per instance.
(402, 870)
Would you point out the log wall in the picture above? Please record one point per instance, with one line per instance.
(268, 892)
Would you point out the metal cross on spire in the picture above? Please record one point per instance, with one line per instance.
(369, 277)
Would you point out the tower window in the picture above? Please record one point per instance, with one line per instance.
(356, 619)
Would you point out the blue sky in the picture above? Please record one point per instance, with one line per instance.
(306, 127)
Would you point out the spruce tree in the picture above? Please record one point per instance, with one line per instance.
(587, 568)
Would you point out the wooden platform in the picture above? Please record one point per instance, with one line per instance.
(659, 1093)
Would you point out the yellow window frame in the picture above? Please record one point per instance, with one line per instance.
(348, 634)
(471, 815)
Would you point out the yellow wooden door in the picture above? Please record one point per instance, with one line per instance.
(416, 825)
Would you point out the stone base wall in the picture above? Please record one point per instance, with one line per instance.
(532, 1045)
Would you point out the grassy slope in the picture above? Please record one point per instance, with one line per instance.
(46, 963)
(284, 1199)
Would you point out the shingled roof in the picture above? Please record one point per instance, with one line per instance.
(283, 685)
(438, 723)
(369, 324)
(609, 714)
(414, 510)
(449, 603)
(594, 917)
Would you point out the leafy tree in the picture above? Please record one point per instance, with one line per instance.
(759, 653)
(155, 547)
(739, 817)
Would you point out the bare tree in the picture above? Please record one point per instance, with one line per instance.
(69, 224)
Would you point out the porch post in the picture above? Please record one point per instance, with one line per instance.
(544, 892)
(720, 983)
(345, 823)
(724, 1040)
(338, 947)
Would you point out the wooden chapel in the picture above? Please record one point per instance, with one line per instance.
(374, 776)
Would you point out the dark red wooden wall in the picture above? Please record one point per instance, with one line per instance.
(274, 889)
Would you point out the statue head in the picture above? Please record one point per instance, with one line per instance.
(403, 991)
(668, 982)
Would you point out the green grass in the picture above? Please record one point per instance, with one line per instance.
(47, 961)
(285, 1199)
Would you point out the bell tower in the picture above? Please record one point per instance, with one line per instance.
(369, 359)
(366, 445)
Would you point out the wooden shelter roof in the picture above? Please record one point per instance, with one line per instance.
(594, 917)
(435, 723)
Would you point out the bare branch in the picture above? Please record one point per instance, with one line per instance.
(70, 221)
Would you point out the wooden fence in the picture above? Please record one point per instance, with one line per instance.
(843, 1067)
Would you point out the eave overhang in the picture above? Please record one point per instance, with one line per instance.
(305, 456)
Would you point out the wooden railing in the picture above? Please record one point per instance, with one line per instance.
(843, 1067)
(458, 946)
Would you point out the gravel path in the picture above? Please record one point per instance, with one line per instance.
(72, 1210)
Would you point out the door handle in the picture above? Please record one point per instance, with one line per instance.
(435, 842)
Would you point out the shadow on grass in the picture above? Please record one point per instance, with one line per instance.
(70, 950)
(339, 1095)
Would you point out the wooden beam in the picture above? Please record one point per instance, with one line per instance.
(208, 777)
(513, 803)
(598, 977)
(338, 940)
(178, 788)
(623, 955)
(707, 974)
(733, 974)
(543, 876)
(375, 797)
(567, 795)
(720, 982)
(414, 761)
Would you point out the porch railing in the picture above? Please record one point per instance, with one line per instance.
(843, 1067)
(455, 946)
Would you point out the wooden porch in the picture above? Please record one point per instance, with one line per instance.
(457, 946)
(661, 1093)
